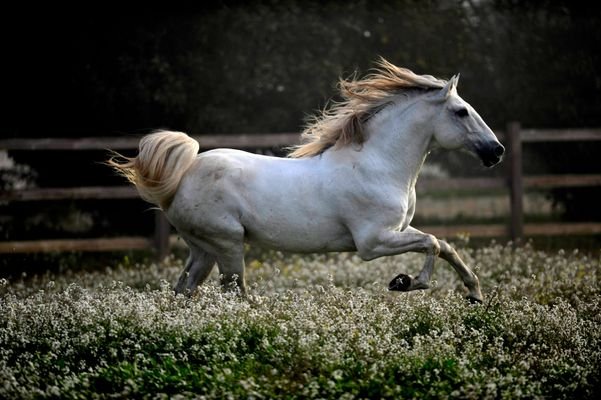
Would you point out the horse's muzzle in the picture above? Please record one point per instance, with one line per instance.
(491, 154)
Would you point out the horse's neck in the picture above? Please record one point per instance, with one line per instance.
(398, 143)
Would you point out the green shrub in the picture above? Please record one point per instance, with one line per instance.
(313, 327)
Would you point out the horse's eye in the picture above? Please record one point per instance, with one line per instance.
(462, 112)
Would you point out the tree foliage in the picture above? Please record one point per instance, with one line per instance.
(238, 67)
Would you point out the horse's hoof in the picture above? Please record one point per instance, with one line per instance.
(473, 300)
(400, 283)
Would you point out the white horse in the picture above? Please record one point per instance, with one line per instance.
(350, 187)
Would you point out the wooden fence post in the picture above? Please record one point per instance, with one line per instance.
(162, 229)
(516, 187)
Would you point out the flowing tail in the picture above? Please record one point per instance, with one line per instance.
(163, 159)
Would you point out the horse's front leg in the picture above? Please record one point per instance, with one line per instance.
(391, 242)
(396, 242)
(448, 253)
(469, 278)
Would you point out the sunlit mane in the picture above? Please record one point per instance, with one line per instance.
(342, 123)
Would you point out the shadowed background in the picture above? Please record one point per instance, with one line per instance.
(255, 67)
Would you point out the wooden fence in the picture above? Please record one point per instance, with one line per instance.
(514, 181)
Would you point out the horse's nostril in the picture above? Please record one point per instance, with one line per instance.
(499, 150)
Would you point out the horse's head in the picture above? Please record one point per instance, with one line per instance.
(457, 125)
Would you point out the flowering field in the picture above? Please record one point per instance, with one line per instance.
(312, 327)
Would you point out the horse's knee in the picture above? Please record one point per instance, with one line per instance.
(447, 251)
(431, 244)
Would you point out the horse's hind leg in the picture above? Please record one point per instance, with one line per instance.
(231, 267)
(198, 267)
(225, 240)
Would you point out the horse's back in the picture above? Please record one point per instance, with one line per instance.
(279, 203)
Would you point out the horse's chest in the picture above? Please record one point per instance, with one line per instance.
(399, 209)
(411, 202)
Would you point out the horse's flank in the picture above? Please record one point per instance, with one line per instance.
(342, 123)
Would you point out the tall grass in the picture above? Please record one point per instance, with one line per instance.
(313, 327)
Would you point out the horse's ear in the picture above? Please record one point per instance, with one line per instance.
(456, 79)
(448, 89)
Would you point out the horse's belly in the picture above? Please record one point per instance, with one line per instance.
(301, 238)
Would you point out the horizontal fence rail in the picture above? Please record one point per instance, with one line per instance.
(208, 141)
(59, 245)
(74, 193)
(531, 182)
(513, 181)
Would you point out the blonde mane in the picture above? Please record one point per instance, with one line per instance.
(341, 124)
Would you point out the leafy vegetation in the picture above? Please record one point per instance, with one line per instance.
(312, 327)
